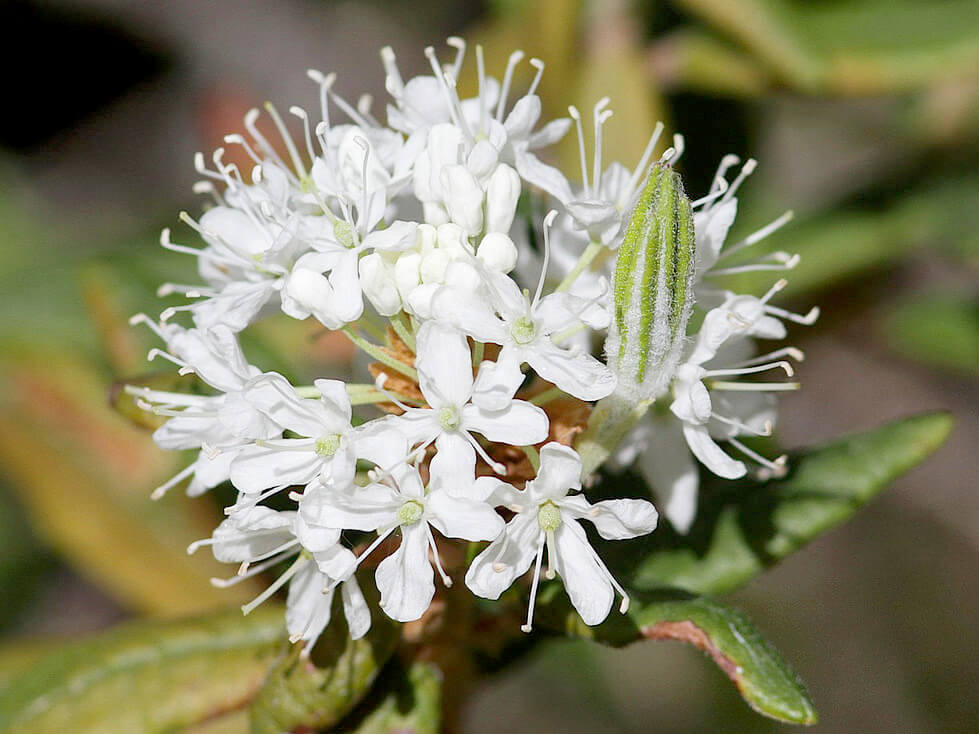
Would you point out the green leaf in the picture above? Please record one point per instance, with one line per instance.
(765, 681)
(743, 527)
(146, 676)
(940, 330)
(62, 447)
(317, 692)
(407, 701)
(856, 47)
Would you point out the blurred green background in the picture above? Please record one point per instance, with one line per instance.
(864, 115)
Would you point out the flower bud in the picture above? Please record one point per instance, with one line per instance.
(498, 252)
(653, 287)
(502, 193)
(463, 198)
(379, 286)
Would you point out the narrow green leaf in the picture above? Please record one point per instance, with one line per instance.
(318, 692)
(743, 527)
(407, 702)
(765, 681)
(939, 330)
(146, 676)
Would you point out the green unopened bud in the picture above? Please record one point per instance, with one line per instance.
(653, 288)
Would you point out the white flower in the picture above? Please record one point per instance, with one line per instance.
(337, 299)
(327, 447)
(444, 364)
(217, 425)
(405, 578)
(525, 328)
(746, 407)
(259, 538)
(547, 515)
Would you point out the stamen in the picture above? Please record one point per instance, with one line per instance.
(275, 585)
(548, 221)
(576, 116)
(751, 370)
(325, 82)
(759, 235)
(808, 320)
(797, 354)
(766, 430)
(304, 116)
(725, 386)
(379, 383)
(390, 62)
(481, 75)
(447, 84)
(529, 625)
(679, 146)
(435, 557)
(715, 193)
(722, 169)
(459, 44)
(494, 465)
(777, 465)
(250, 117)
(540, 66)
(172, 482)
(640, 168)
(515, 58)
(746, 170)
(551, 555)
(251, 573)
(599, 116)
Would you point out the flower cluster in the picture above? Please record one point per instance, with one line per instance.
(464, 434)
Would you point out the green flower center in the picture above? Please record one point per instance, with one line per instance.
(327, 445)
(523, 330)
(549, 517)
(344, 234)
(410, 512)
(449, 418)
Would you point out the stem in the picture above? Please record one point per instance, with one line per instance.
(547, 396)
(380, 355)
(589, 254)
(477, 353)
(402, 327)
(532, 456)
(612, 418)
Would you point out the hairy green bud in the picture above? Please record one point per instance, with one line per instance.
(653, 288)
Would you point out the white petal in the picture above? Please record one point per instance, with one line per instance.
(251, 533)
(355, 608)
(584, 579)
(543, 176)
(670, 470)
(710, 454)
(395, 238)
(577, 373)
(405, 578)
(363, 508)
(307, 607)
(560, 471)
(497, 382)
(275, 396)
(456, 517)
(285, 461)
(494, 570)
(519, 424)
(614, 519)
(456, 456)
(469, 311)
(444, 365)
